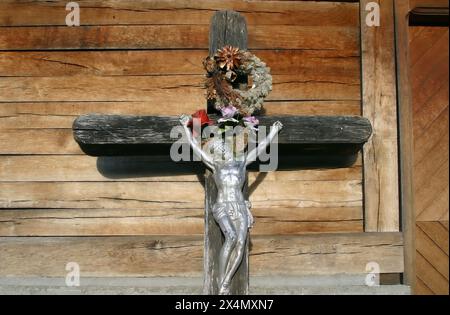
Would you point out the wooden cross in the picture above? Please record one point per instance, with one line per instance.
(306, 141)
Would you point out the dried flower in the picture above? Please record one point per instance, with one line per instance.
(210, 65)
(228, 58)
(211, 93)
(218, 88)
(231, 76)
(228, 111)
(251, 120)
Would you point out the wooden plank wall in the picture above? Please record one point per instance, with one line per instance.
(429, 57)
(136, 57)
(168, 256)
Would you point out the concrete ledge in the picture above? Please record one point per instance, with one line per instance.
(323, 285)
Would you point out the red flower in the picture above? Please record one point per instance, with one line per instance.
(202, 115)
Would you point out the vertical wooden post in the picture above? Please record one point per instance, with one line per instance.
(406, 147)
(227, 28)
(381, 189)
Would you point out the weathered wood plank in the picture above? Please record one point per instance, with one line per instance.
(129, 12)
(124, 135)
(424, 72)
(431, 151)
(430, 112)
(323, 63)
(428, 248)
(380, 107)
(426, 37)
(421, 288)
(82, 168)
(438, 233)
(430, 276)
(431, 199)
(270, 256)
(57, 115)
(115, 129)
(313, 108)
(176, 37)
(227, 28)
(173, 195)
(405, 125)
(61, 115)
(126, 222)
(164, 90)
(50, 141)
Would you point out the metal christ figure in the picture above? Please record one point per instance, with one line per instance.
(231, 211)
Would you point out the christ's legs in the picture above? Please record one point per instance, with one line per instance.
(229, 231)
(237, 254)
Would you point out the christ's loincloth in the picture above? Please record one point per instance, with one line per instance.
(232, 209)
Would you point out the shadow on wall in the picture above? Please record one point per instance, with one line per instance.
(128, 167)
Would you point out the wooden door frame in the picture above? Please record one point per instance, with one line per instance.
(403, 11)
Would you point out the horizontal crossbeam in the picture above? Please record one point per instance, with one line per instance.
(100, 135)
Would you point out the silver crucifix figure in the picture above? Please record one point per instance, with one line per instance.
(231, 211)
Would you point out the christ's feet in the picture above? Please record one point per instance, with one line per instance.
(224, 289)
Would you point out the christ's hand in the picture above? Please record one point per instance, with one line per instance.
(278, 125)
(184, 120)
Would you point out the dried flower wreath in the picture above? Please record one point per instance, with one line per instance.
(234, 105)
(223, 69)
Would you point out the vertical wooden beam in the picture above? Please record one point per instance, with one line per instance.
(227, 28)
(381, 189)
(406, 148)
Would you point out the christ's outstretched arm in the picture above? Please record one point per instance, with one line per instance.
(252, 155)
(206, 159)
